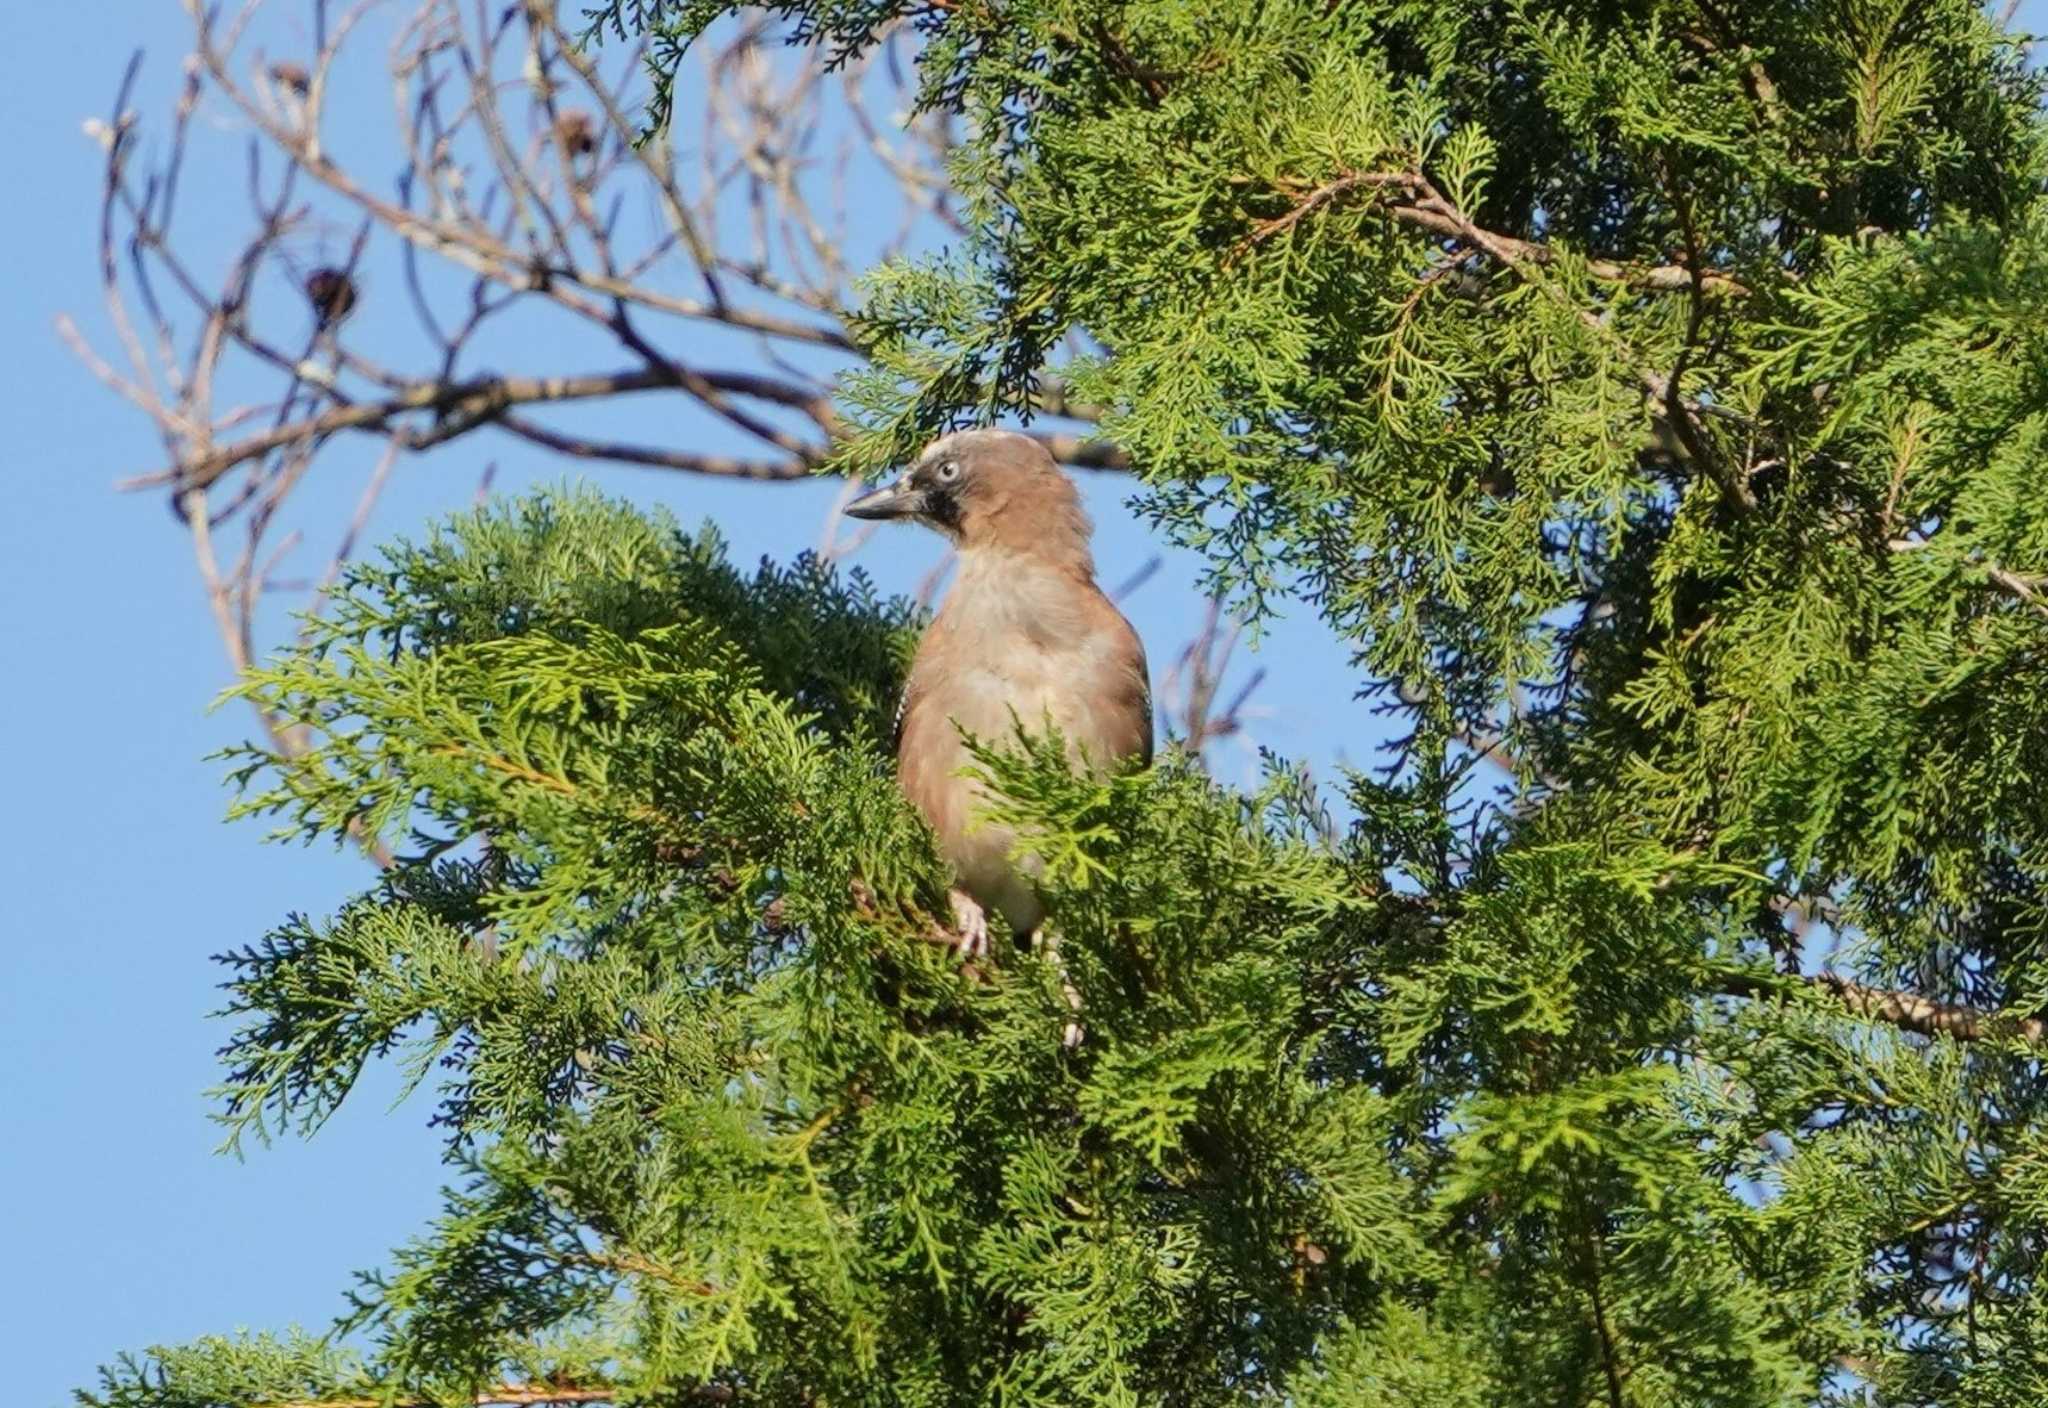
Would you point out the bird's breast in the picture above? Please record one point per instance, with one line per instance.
(1016, 646)
(1034, 651)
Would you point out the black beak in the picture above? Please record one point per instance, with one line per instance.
(897, 500)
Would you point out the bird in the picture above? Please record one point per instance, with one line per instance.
(1024, 638)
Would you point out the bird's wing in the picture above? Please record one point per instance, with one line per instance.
(1145, 753)
(1132, 680)
(1144, 705)
(1124, 690)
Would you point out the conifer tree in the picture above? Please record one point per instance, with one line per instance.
(1652, 395)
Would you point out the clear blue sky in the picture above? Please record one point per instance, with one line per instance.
(120, 877)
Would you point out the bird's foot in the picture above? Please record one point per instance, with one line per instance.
(970, 924)
(1072, 1034)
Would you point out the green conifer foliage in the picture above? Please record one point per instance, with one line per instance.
(1652, 395)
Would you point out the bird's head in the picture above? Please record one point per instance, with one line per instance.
(987, 488)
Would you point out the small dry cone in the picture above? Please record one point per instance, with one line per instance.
(333, 295)
(576, 132)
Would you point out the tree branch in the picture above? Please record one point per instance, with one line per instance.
(470, 403)
(520, 1394)
(1420, 204)
(1422, 207)
(1907, 1011)
(1080, 452)
(1685, 415)
(620, 452)
(2024, 589)
(462, 406)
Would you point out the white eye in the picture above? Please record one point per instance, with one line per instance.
(949, 471)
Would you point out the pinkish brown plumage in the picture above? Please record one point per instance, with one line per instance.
(1025, 636)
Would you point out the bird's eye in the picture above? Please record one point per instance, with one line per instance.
(949, 471)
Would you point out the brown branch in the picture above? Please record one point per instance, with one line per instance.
(1907, 1011)
(1424, 209)
(1192, 683)
(619, 452)
(1610, 1352)
(2024, 589)
(1321, 196)
(1152, 81)
(1650, 278)
(502, 1393)
(1755, 77)
(541, 13)
(469, 245)
(1054, 399)
(1423, 205)
(465, 405)
(2027, 590)
(469, 403)
(1083, 453)
(1686, 416)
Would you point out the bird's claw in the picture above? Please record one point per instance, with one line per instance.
(1073, 1033)
(970, 924)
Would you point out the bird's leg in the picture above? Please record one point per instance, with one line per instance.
(971, 925)
(1048, 943)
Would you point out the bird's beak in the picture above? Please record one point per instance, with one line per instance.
(898, 500)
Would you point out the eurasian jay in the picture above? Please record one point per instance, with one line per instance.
(1024, 637)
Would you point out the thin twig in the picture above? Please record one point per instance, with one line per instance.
(1418, 204)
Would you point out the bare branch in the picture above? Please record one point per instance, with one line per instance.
(462, 406)
(1907, 1011)
(2029, 591)
(2025, 589)
(1415, 202)
(1189, 693)
(620, 452)
(508, 1394)
(522, 197)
